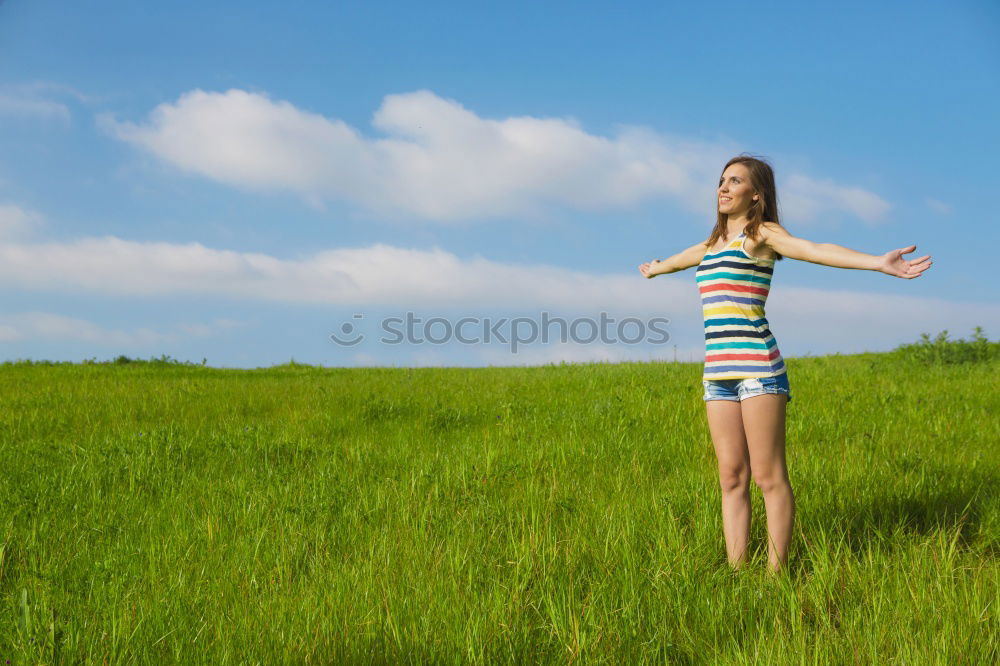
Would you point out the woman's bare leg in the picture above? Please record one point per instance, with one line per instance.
(764, 425)
(725, 421)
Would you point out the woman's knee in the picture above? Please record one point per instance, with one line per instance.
(771, 481)
(734, 478)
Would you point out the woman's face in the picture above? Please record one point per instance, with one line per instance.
(735, 193)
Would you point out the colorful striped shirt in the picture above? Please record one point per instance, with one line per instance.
(738, 340)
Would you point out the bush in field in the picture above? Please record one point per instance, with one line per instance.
(941, 350)
(164, 359)
(119, 360)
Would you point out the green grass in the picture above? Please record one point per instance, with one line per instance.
(160, 512)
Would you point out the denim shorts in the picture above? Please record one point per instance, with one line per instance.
(741, 389)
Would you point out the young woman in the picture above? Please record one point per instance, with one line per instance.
(745, 378)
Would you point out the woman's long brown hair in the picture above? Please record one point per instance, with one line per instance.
(765, 209)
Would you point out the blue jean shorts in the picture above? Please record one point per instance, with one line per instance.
(741, 389)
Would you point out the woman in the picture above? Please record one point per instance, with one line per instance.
(745, 378)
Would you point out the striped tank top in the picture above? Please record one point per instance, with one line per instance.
(738, 340)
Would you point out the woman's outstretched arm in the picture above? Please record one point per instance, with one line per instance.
(678, 262)
(828, 254)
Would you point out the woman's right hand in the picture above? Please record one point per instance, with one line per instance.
(649, 269)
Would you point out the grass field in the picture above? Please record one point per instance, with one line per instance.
(159, 512)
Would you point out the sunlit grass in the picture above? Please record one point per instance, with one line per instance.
(163, 512)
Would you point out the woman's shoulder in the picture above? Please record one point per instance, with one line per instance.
(765, 231)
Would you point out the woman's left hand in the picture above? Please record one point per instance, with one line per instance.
(892, 263)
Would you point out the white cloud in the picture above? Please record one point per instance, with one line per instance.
(439, 161)
(9, 333)
(17, 222)
(26, 106)
(38, 99)
(364, 359)
(375, 275)
(802, 198)
(938, 206)
(854, 321)
(32, 326)
(204, 330)
(382, 275)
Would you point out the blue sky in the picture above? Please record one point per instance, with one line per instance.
(235, 181)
